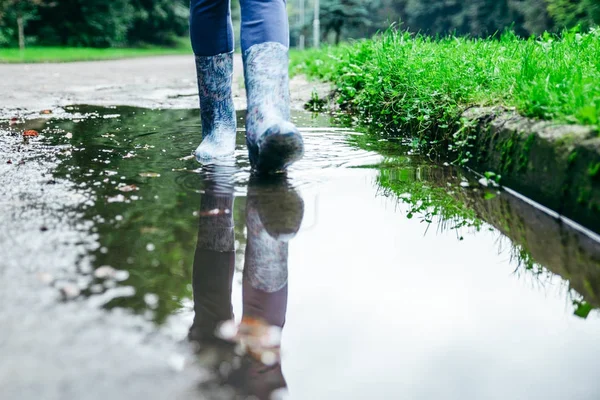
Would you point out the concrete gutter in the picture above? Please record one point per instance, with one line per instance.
(553, 164)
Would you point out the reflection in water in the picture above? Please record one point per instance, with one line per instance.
(461, 315)
(250, 352)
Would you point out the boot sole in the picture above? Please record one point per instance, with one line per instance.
(276, 152)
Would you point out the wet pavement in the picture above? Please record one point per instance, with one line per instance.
(151, 82)
(366, 272)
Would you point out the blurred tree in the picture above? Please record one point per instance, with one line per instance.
(90, 23)
(343, 14)
(532, 16)
(22, 12)
(570, 13)
(158, 21)
(100, 23)
(435, 17)
(485, 17)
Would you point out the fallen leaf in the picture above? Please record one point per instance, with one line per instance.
(128, 188)
(14, 120)
(9, 162)
(149, 175)
(46, 112)
(30, 132)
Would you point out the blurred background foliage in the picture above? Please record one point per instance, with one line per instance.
(121, 23)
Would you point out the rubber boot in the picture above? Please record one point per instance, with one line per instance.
(273, 141)
(217, 111)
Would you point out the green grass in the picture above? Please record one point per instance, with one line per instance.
(399, 82)
(67, 54)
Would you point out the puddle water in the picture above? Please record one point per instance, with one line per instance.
(395, 277)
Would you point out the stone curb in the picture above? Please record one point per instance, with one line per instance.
(553, 164)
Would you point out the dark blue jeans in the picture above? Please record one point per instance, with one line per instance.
(212, 32)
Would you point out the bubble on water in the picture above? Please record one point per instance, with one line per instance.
(272, 338)
(150, 247)
(109, 284)
(151, 300)
(45, 277)
(83, 282)
(177, 362)
(97, 288)
(103, 250)
(121, 276)
(148, 315)
(119, 218)
(116, 199)
(279, 394)
(268, 358)
(227, 330)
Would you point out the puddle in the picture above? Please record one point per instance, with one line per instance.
(395, 277)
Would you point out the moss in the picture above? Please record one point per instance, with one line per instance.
(524, 156)
(584, 196)
(506, 152)
(566, 140)
(572, 157)
(594, 170)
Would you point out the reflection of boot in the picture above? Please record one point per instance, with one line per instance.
(214, 263)
(273, 141)
(274, 213)
(216, 106)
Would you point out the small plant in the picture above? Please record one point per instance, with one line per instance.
(315, 104)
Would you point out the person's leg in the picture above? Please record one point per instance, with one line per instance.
(211, 30)
(264, 21)
(273, 141)
(211, 33)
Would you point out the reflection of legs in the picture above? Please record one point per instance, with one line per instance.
(211, 32)
(273, 216)
(214, 264)
(274, 213)
(273, 141)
